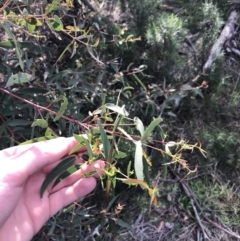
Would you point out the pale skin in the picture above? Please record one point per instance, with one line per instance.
(22, 172)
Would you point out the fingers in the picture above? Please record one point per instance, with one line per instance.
(67, 195)
(33, 157)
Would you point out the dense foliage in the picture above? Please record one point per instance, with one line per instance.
(64, 62)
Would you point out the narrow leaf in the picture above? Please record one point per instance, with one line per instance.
(123, 224)
(63, 107)
(40, 122)
(19, 122)
(139, 125)
(139, 81)
(65, 50)
(58, 170)
(117, 109)
(84, 141)
(11, 35)
(150, 128)
(105, 141)
(76, 148)
(138, 161)
(19, 78)
(65, 174)
(146, 171)
(134, 182)
(52, 6)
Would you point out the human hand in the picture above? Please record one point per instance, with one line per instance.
(22, 172)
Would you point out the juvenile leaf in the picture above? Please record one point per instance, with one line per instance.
(57, 26)
(62, 108)
(105, 141)
(48, 133)
(119, 154)
(34, 21)
(150, 128)
(40, 122)
(146, 171)
(139, 125)
(116, 108)
(134, 182)
(138, 161)
(76, 148)
(19, 78)
(31, 27)
(82, 140)
(52, 6)
(129, 168)
(58, 170)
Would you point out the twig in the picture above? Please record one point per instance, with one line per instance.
(186, 190)
(44, 108)
(4, 6)
(195, 204)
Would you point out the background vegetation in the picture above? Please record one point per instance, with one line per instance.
(71, 57)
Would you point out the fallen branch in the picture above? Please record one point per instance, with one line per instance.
(226, 34)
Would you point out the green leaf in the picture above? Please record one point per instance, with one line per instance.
(30, 46)
(105, 141)
(12, 36)
(116, 108)
(33, 91)
(76, 148)
(65, 174)
(59, 169)
(140, 82)
(139, 125)
(65, 50)
(146, 171)
(110, 204)
(63, 107)
(19, 78)
(48, 133)
(19, 122)
(186, 87)
(82, 140)
(150, 128)
(198, 92)
(129, 168)
(40, 122)
(138, 161)
(123, 224)
(52, 6)
(119, 154)
(56, 24)
(58, 20)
